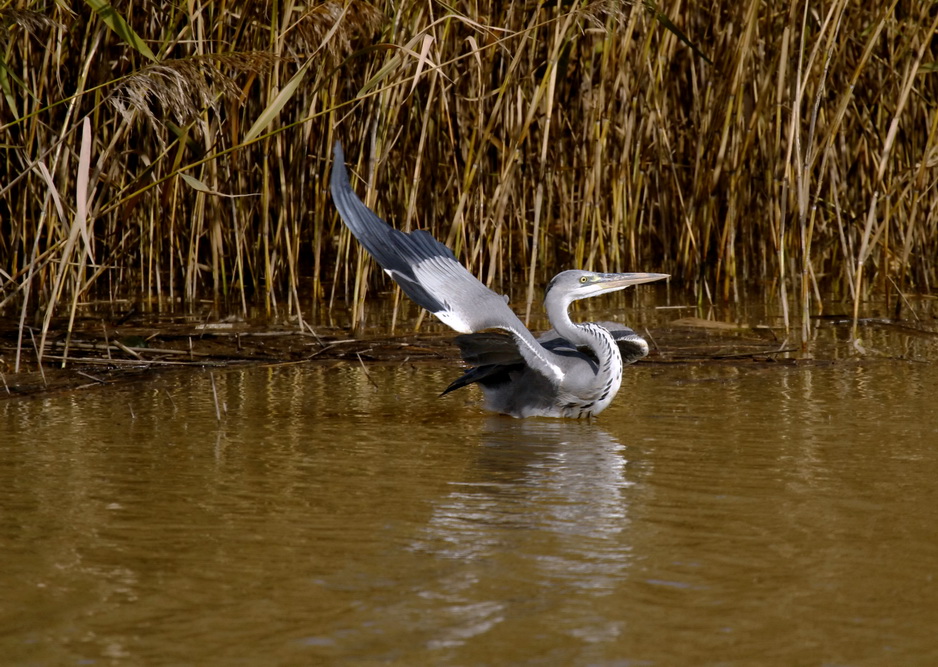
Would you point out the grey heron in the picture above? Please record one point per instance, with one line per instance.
(573, 370)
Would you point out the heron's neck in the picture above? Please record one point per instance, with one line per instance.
(587, 393)
(558, 310)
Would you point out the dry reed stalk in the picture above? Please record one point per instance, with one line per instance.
(528, 137)
(884, 158)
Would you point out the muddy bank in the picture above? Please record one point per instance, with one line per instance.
(97, 354)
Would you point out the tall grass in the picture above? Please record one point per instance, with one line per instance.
(735, 145)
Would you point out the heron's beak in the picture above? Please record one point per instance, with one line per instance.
(614, 281)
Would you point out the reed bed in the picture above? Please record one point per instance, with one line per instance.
(170, 152)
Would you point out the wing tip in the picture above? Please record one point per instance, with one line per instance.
(339, 179)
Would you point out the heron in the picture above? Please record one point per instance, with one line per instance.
(573, 371)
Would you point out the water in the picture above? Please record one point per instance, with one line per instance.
(734, 514)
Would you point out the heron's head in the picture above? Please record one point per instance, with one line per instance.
(572, 285)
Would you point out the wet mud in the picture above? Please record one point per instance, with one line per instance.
(98, 353)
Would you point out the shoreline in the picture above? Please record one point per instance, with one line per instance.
(136, 353)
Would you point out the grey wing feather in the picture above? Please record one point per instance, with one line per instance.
(489, 348)
(495, 357)
(426, 270)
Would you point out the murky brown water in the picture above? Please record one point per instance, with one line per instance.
(752, 514)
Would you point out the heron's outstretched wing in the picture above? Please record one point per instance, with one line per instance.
(493, 357)
(426, 270)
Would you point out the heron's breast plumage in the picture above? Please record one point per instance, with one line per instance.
(582, 403)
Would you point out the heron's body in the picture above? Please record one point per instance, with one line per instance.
(574, 370)
(499, 369)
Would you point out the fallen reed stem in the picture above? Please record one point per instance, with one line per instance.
(215, 398)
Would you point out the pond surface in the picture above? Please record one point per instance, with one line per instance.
(760, 514)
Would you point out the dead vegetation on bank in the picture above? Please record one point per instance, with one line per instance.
(122, 353)
(167, 152)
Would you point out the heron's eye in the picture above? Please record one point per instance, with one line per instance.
(584, 279)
